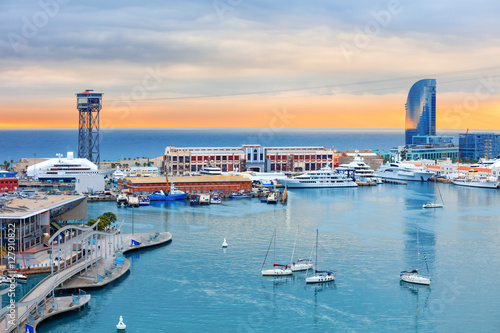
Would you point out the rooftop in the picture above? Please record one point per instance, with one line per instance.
(23, 207)
(187, 179)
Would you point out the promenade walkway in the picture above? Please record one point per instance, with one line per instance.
(81, 274)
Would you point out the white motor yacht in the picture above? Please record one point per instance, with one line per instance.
(403, 171)
(360, 170)
(325, 177)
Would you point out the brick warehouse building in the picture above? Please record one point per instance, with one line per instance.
(191, 185)
(185, 161)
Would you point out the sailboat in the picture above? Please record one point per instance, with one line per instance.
(277, 270)
(320, 276)
(414, 276)
(301, 264)
(435, 204)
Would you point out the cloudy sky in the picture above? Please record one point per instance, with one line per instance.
(242, 63)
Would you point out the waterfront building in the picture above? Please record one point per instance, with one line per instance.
(420, 152)
(421, 110)
(62, 169)
(479, 145)
(143, 172)
(185, 161)
(433, 140)
(31, 221)
(188, 184)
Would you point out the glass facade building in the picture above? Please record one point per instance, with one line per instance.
(480, 145)
(421, 110)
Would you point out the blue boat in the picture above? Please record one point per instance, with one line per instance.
(241, 195)
(144, 201)
(173, 194)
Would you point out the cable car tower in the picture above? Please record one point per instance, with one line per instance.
(89, 104)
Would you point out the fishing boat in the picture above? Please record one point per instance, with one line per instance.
(413, 276)
(241, 195)
(272, 198)
(216, 199)
(320, 276)
(144, 201)
(173, 194)
(278, 269)
(195, 199)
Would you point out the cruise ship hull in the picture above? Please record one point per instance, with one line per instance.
(292, 183)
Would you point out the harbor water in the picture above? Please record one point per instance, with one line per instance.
(367, 235)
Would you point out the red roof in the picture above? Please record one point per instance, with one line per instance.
(466, 168)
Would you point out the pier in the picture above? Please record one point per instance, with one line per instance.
(99, 260)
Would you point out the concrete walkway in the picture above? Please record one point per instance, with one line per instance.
(44, 288)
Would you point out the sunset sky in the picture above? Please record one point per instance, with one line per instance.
(241, 63)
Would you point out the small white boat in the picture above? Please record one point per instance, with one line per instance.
(302, 265)
(18, 277)
(320, 276)
(204, 199)
(215, 199)
(122, 200)
(224, 243)
(414, 277)
(272, 198)
(432, 205)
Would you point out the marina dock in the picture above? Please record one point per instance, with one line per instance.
(95, 267)
(106, 271)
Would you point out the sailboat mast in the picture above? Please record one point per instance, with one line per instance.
(418, 251)
(268, 251)
(316, 260)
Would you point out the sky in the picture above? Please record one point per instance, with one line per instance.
(241, 63)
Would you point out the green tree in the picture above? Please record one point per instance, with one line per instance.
(104, 220)
(113, 165)
(137, 164)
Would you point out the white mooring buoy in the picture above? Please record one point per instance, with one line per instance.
(224, 243)
(121, 325)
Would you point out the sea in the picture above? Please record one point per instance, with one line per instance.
(367, 236)
(118, 144)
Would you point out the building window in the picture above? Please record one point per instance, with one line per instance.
(174, 158)
(249, 157)
(261, 156)
(217, 158)
(224, 158)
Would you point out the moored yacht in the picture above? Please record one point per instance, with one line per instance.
(360, 170)
(403, 171)
(325, 177)
(210, 170)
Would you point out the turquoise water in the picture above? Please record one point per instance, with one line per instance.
(367, 235)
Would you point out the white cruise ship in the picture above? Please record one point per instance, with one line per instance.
(403, 171)
(63, 169)
(324, 177)
(361, 171)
